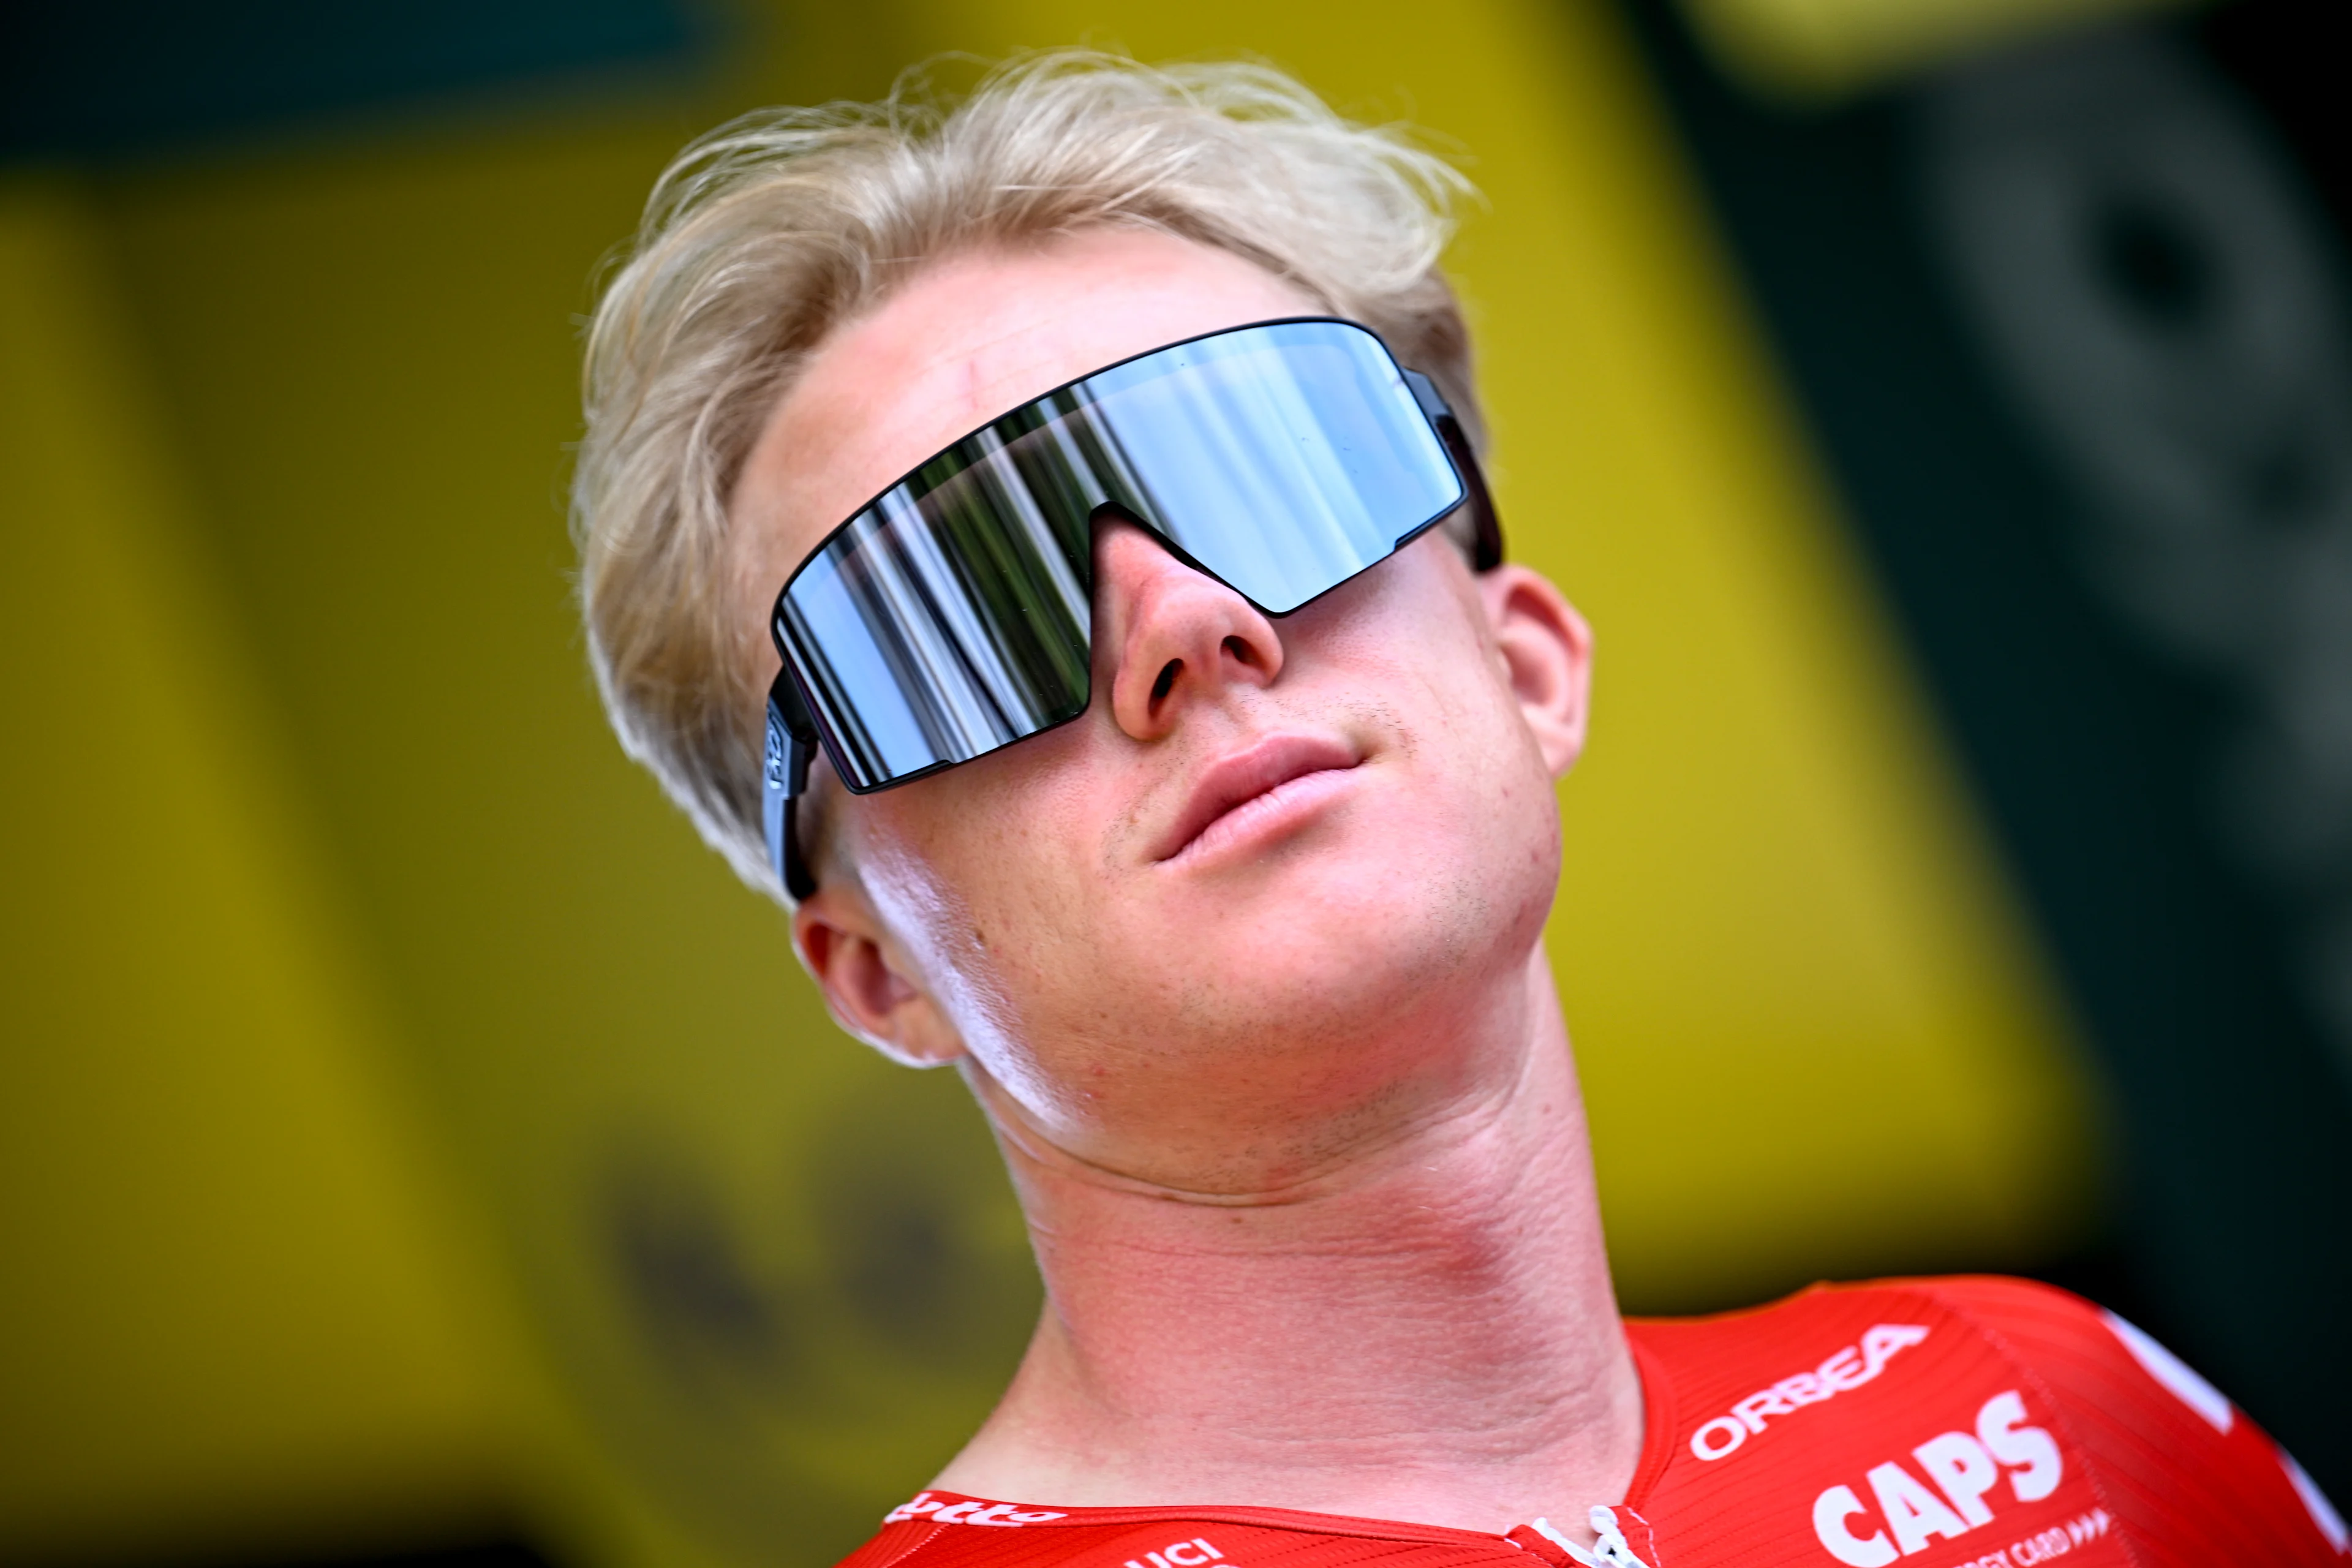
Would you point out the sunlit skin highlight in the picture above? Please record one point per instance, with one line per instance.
(1244, 965)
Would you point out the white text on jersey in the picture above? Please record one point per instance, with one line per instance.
(968, 1512)
(1966, 1470)
(1189, 1554)
(1850, 1368)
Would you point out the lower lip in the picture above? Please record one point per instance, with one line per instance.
(1263, 816)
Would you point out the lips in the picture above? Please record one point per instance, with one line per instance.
(1248, 775)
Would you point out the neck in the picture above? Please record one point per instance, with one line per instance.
(1426, 1333)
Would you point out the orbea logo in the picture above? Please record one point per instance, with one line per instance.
(997, 1513)
(1966, 1469)
(1850, 1368)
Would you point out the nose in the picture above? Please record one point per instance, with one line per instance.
(1171, 637)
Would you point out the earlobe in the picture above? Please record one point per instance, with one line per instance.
(867, 983)
(1546, 651)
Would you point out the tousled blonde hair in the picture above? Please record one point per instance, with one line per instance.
(769, 231)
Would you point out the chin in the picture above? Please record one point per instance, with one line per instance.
(1345, 942)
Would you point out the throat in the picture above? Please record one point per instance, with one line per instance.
(1429, 1335)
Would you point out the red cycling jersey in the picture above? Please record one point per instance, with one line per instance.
(1964, 1422)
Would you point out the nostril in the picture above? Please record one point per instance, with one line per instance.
(1244, 654)
(1166, 683)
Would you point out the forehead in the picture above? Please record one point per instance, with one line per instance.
(970, 337)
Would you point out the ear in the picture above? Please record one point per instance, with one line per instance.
(1546, 651)
(870, 987)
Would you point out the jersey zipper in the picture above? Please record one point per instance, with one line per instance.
(1610, 1549)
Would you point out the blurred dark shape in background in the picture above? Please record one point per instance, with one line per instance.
(121, 78)
(415, 1149)
(2070, 322)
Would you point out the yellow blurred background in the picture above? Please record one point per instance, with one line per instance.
(411, 1141)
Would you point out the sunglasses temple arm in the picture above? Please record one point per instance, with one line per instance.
(1488, 552)
(792, 742)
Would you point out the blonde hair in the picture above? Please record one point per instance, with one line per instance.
(766, 233)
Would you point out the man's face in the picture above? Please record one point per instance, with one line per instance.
(1259, 901)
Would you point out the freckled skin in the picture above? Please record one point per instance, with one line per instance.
(1295, 1085)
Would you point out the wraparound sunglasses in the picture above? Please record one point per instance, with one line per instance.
(952, 615)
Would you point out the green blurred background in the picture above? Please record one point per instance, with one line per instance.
(413, 1144)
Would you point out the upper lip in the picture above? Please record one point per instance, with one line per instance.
(1245, 774)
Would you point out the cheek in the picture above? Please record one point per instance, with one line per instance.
(1417, 647)
(998, 828)
(1480, 775)
(979, 895)
(974, 871)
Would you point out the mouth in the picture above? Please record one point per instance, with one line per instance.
(1255, 788)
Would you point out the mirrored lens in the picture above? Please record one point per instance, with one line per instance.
(952, 615)
(1283, 459)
